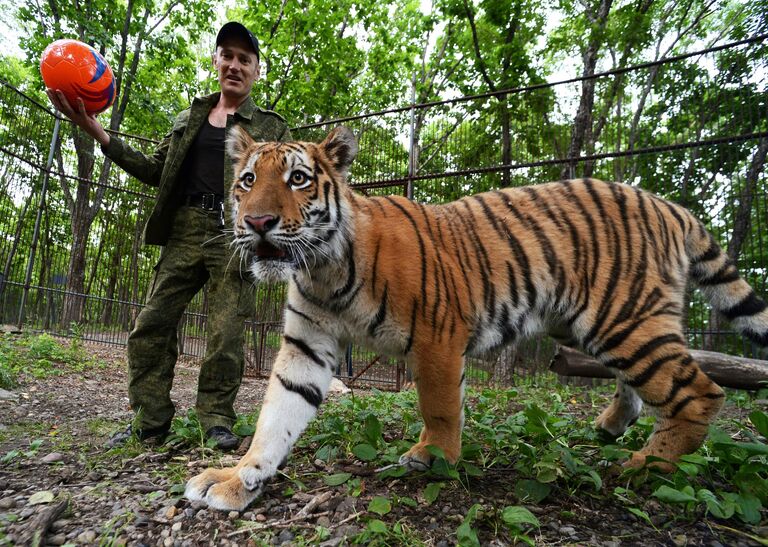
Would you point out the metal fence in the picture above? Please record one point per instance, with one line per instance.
(703, 146)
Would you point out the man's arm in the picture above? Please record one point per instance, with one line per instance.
(146, 168)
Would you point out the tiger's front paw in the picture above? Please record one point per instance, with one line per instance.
(417, 458)
(230, 489)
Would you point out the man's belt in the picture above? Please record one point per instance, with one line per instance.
(208, 202)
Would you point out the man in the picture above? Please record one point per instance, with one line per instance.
(192, 171)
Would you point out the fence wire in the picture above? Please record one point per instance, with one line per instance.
(702, 145)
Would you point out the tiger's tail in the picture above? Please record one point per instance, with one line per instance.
(719, 280)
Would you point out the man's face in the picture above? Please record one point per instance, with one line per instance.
(237, 68)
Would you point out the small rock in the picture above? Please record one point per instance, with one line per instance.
(680, 540)
(58, 539)
(285, 535)
(190, 513)
(337, 386)
(347, 506)
(333, 542)
(58, 525)
(53, 457)
(202, 514)
(7, 503)
(86, 537)
(233, 515)
(260, 518)
(176, 527)
(302, 497)
(168, 542)
(248, 515)
(324, 521)
(7, 395)
(27, 512)
(170, 512)
(94, 476)
(570, 530)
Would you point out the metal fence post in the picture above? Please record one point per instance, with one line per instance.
(38, 219)
(411, 141)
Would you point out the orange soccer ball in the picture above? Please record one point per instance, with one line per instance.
(78, 70)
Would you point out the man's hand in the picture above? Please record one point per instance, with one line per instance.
(87, 122)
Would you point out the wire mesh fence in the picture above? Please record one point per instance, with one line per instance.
(70, 222)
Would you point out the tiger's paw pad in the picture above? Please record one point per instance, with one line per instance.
(413, 464)
(232, 495)
(226, 489)
(418, 458)
(638, 460)
(609, 426)
(198, 486)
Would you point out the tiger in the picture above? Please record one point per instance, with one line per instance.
(598, 266)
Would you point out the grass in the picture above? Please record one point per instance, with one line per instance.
(40, 356)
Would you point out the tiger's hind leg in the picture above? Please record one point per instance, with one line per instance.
(654, 361)
(622, 412)
(440, 385)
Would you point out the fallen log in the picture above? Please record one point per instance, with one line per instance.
(725, 370)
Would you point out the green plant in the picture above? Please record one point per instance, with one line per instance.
(11, 455)
(40, 356)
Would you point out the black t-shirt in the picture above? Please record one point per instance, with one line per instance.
(203, 169)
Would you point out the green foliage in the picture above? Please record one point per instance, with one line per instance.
(532, 432)
(40, 356)
(12, 455)
(186, 429)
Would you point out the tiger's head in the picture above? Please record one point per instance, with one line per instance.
(289, 202)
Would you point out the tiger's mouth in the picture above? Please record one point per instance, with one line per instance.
(264, 251)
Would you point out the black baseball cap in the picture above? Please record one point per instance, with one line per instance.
(236, 30)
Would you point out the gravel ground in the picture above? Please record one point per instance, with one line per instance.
(133, 498)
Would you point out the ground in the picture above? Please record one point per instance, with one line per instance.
(52, 444)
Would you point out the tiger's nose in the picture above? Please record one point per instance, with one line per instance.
(262, 224)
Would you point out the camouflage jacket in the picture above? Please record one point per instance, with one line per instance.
(162, 167)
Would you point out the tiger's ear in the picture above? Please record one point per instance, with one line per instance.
(341, 148)
(238, 141)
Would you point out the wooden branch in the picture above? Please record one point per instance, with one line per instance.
(476, 47)
(34, 532)
(725, 370)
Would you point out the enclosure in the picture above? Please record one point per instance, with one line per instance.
(70, 222)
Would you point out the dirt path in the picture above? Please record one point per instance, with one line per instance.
(134, 497)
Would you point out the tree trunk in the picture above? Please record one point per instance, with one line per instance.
(109, 295)
(741, 227)
(14, 246)
(506, 141)
(582, 124)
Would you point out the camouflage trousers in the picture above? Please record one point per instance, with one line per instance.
(196, 253)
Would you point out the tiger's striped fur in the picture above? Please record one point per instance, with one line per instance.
(599, 266)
